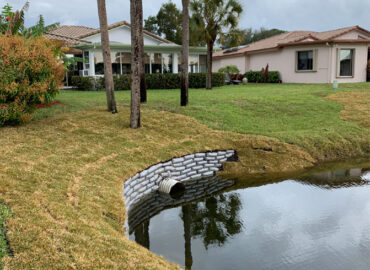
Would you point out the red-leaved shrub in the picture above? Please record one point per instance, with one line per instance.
(30, 74)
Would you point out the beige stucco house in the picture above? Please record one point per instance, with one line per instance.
(305, 56)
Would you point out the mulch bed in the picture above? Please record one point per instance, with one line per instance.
(40, 106)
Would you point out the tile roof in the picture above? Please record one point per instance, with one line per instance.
(292, 38)
(72, 31)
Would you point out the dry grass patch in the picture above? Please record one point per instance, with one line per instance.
(63, 176)
(356, 107)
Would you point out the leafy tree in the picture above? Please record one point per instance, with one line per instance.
(213, 17)
(166, 23)
(108, 74)
(246, 36)
(12, 23)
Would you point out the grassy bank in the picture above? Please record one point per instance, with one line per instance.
(62, 175)
(293, 113)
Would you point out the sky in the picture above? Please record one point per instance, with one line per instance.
(314, 15)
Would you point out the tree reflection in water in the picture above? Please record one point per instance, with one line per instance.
(214, 221)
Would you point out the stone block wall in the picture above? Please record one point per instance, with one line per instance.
(185, 168)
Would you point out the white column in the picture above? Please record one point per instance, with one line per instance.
(150, 63)
(92, 63)
(175, 63)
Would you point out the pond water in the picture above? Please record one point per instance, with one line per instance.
(318, 220)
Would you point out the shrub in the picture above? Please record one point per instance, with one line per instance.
(30, 75)
(83, 83)
(153, 81)
(256, 76)
(231, 69)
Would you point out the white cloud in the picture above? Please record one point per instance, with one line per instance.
(318, 15)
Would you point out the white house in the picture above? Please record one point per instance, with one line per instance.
(161, 55)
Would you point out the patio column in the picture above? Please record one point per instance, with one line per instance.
(175, 63)
(92, 64)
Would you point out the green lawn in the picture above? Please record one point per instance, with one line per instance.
(293, 113)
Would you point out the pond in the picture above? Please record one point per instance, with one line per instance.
(319, 220)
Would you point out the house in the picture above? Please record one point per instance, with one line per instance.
(304, 56)
(161, 55)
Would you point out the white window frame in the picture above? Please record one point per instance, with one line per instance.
(353, 62)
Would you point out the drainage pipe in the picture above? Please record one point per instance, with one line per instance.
(171, 186)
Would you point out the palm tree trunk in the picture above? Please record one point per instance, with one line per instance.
(108, 74)
(209, 65)
(136, 62)
(186, 213)
(143, 95)
(185, 54)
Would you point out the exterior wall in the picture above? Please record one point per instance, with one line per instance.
(360, 62)
(238, 61)
(354, 35)
(189, 167)
(284, 61)
(122, 35)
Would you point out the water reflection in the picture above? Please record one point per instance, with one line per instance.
(318, 221)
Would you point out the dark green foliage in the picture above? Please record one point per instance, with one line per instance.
(83, 83)
(238, 37)
(198, 80)
(4, 248)
(256, 76)
(153, 81)
(163, 81)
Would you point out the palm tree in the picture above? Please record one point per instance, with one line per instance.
(185, 54)
(136, 60)
(143, 96)
(108, 73)
(212, 18)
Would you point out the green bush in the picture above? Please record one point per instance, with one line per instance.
(153, 81)
(30, 75)
(162, 81)
(83, 83)
(231, 69)
(198, 80)
(256, 76)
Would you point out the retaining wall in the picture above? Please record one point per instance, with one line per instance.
(189, 167)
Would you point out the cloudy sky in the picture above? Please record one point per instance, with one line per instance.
(317, 15)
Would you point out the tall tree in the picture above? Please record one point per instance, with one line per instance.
(108, 73)
(143, 95)
(185, 54)
(213, 17)
(166, 23)
(136, 61)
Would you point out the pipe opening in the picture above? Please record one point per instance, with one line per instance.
(177, 191)
(172, 187)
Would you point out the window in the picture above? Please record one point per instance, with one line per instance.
(346, 62)
(86, 57)
(116, 63)
(305, 60)
(126, 63)
(99, 63)
(193, 63)
(167, 63)
(203, 63)
(156, 60)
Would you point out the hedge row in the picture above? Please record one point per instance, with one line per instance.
(256, 76)
(153, 81)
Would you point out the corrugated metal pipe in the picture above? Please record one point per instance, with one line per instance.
(172, 187)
